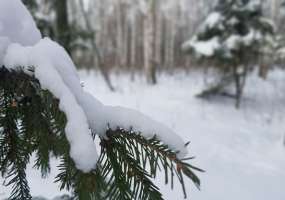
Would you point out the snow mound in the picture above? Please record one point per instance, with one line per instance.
(57, 73)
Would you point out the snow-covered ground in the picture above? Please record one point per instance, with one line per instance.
(241, 150)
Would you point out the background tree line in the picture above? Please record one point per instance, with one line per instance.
(133, 35)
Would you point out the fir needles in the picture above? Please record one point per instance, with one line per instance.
(31, 123)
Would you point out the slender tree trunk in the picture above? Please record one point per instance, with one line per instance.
(172, 44)
(263, 71)
(240, 75)
(149, 62)
(95, 49)
(133, 48)
(158, 34)
(125, 41)
(119, 34)
(62, 25)
(274, 7)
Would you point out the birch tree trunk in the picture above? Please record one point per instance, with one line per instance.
(149, 62)
(125, 40)
(119, 39)
(158, 34)
(133, 52)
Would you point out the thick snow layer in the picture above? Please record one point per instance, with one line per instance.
(233, 21)
(16, 23)
(209, 41)
(16, 26)
(281, 53)
(21, 46)
(208, 48)
(233, 42)
(242, 150)
(45, 64)
(56, 72)
(213, 20)
(250, 37)
(204, 48)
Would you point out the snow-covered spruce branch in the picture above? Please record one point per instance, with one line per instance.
(33, 124)
(56, 73)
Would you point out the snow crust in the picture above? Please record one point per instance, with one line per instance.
(57, 73)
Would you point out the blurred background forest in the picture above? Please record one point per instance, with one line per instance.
(130, 34)
(137, 36)
(145, 37)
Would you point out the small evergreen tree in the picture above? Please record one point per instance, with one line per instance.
(233, 38)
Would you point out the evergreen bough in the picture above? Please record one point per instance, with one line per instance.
(32, 124)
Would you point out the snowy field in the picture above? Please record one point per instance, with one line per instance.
(241, 150)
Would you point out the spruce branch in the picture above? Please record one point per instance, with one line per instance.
(14, 152)
(32, 123)
(151, 155)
